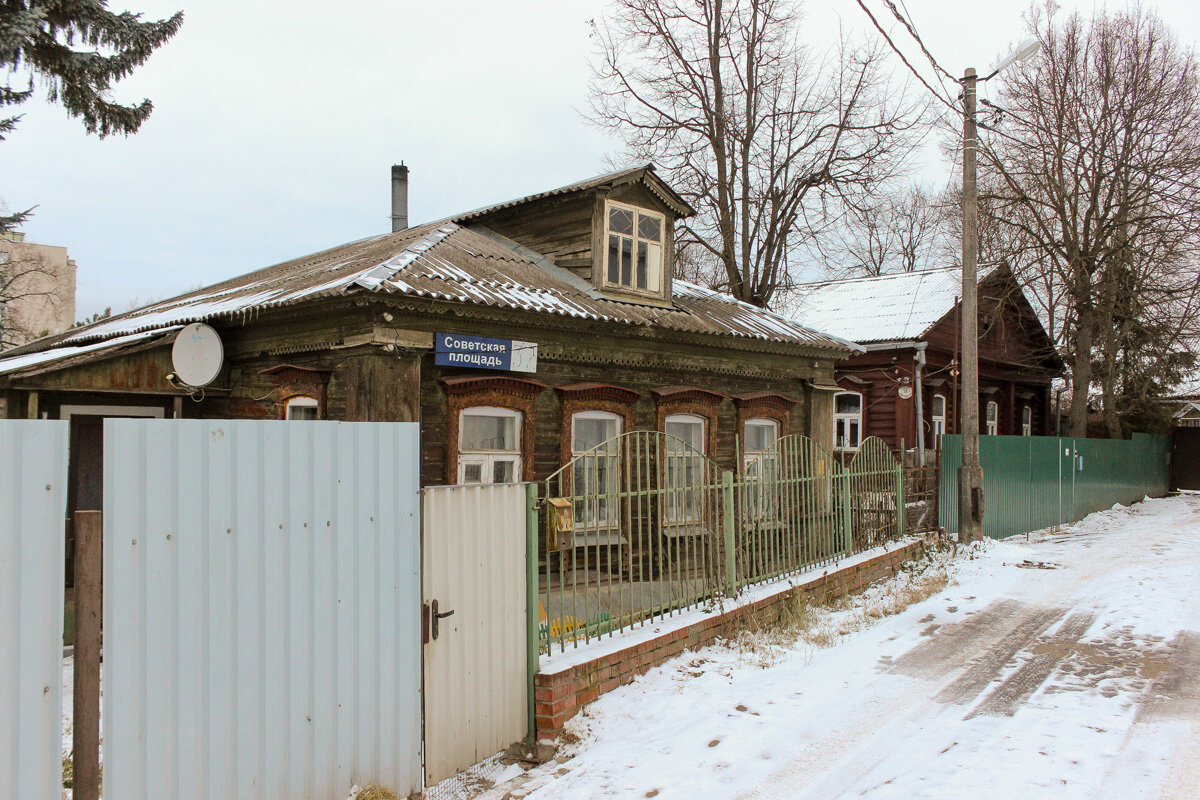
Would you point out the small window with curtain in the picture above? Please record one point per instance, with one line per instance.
(847, 420)
(633, 248)
(993, 418)
(301, 408)
(489, 446)
(937, 419)
(594, 452)
(1026, 421)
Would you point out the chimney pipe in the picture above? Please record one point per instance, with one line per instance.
(399, 197)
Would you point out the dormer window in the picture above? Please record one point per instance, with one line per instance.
(634, 257)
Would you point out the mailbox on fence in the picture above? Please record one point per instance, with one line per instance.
(560, 519)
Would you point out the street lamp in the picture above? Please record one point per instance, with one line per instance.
(970, 475)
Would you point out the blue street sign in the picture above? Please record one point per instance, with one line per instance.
(480, 352)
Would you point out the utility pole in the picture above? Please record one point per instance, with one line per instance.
(970, 475)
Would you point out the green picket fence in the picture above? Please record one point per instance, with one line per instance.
(644, 526)
(1035, 482)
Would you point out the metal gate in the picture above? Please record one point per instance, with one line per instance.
(33, 500)
(475, 622)
(261, 610)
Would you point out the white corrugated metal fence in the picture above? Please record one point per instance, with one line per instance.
(33, 500)
(475, 670)
(261, 610)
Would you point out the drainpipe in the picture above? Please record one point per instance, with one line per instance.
(920, 415)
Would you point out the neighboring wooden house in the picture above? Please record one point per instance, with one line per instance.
(905, 386)
(589, 337)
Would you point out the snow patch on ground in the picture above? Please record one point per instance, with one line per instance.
(1062, 664)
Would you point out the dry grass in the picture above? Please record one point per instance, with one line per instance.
(376, 792)
(807, 625)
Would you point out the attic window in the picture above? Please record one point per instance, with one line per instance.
(634, 256)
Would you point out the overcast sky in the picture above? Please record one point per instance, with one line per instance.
(273, 132)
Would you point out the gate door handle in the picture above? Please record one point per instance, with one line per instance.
(435, 617)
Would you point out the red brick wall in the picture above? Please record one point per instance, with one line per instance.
(560, 695)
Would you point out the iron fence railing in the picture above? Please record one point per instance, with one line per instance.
(643, 527)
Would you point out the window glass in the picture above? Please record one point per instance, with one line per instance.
(847, 420)
(488, 432)
(760, 434)
(489, 446)
(938, 419)
(1027, 421)
(595, 477)
(634, 249)
(688, 429)
(993, 418)
(620, 220)
(684, 469)
(302, 408)
(847, 403)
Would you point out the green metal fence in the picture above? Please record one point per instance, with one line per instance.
(643, 526)
(1035, 482)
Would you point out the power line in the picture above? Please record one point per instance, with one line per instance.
(911, 69)
(913, 32)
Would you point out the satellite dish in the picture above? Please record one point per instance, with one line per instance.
(197, 355)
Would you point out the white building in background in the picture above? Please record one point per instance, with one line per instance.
(37, 290)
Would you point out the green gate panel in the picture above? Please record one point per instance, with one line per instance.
(1034, 482)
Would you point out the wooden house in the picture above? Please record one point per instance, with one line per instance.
(904, 385)
(517, 335)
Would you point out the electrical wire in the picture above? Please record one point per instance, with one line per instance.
(911, 68)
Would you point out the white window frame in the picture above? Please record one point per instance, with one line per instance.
(759, 498)
(592, 510)
(488, 458)
(655, 284)
(839, 418)
(683, 508)
(301, 401)
(937, 422)
(992, 418)
(1026, 420)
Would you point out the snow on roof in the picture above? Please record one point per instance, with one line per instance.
(445, 261)
(884, 308)
(20, 362)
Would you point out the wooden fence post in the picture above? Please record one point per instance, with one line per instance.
(729, 509)
(85, 755)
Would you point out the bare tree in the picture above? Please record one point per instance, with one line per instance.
(1096, 164)
(755, 130)
(30, 292)
(897, 231)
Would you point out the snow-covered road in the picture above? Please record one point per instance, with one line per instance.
(1067, 666)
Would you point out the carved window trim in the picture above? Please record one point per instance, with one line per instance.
(494, 391)
(292, 381)
(690, 400)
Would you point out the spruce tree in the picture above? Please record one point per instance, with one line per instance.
(76, 49)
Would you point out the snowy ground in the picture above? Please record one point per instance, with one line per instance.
(1063, 666)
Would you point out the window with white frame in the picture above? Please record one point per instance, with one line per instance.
(489, 445)
(847, 420)
(760, 466)
(759, 435)
(594, 455)
(301, 407)
(634, 248)
(993, 418)
(1026, 421)
(684, 468)
(937, 419)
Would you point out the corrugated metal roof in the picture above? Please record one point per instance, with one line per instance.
(444, 261)
(644, 172)
(883, 308)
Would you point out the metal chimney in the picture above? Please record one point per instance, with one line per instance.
(399, 197)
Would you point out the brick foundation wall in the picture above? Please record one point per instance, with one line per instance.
(560, 695)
